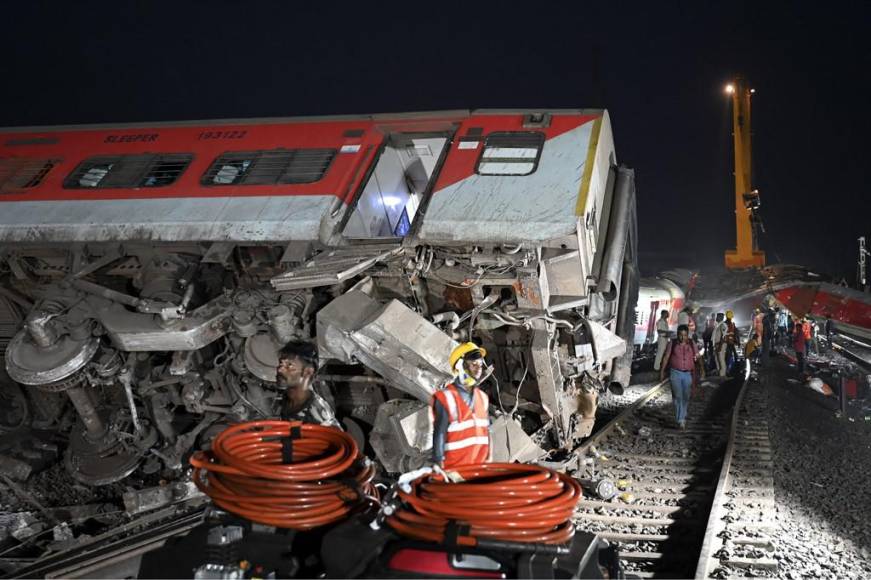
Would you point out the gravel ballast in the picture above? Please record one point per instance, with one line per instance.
(822, 491)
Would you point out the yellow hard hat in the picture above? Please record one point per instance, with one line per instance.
(729, 314)
(463, 350)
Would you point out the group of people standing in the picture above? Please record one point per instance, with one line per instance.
(686, 363)
(719, 337)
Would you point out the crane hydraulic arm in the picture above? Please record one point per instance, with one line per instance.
(746, 253)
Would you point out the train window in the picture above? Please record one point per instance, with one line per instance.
(21, 173)
(514, 153)
(269, 167)
(128, 171)
(164, 170)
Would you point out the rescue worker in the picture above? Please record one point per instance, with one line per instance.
(731, 338)
(808, 334)
(800, 346)
(718, 338)
(752, 351)
(461, 422)
(662, 333)
(680, 358)
(297, 365)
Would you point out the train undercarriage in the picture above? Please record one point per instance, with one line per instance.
(141, 353)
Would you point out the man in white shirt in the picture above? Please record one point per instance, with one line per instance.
(662, 332)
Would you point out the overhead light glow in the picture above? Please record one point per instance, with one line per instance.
(730, 89)
(391, 200)
(752, 91)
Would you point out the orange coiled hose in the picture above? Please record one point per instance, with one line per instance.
(286, 474)
(498, 501)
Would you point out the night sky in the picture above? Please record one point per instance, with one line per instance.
(659, 67)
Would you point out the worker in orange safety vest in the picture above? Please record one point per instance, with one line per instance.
(461, 422)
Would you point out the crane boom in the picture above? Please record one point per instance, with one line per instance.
(746, 253)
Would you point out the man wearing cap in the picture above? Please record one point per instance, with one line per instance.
(461, 422)
(297, 365)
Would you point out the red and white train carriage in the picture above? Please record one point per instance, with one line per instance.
(149, 271)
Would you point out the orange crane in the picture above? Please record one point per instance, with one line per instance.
(746, 253)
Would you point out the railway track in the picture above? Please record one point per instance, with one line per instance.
(673, 483)
(737, 539)
(122, 543)
(855, 350)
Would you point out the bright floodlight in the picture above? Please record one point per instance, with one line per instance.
(730, 89)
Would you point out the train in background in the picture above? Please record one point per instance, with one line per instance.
(654, 296)
(150, 272)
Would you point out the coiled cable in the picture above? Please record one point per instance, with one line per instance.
(494, 501)
(286, 474)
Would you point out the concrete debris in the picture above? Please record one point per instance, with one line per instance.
(509, 442)
(21, 525)
(10, 523)
(62, 532)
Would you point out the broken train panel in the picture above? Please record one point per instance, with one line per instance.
(152, 271)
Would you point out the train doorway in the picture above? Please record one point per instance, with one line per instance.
(403, 175)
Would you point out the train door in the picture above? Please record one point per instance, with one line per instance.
(403, 175)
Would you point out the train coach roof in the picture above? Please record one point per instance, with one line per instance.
(411, 115)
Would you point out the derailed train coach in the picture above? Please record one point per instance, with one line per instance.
(149, 273)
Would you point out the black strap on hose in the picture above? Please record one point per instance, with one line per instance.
(453, 531)
(287, 444)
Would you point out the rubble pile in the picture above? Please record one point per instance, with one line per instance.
(821, 488)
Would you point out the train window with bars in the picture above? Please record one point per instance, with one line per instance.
(114, 171)
(269, 167)
(23, 173)
(511, 153)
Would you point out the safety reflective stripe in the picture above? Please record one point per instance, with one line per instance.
(469, 441)
(468, 423)
(453, 412)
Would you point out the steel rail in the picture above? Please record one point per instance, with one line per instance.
(856, 357)
(654, 391)
(744, 496)
(714, 526)
(109, 548)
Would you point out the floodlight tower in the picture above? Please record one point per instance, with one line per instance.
(746, 253)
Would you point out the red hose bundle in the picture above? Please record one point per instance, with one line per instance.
(498, 501)
(286, 474)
